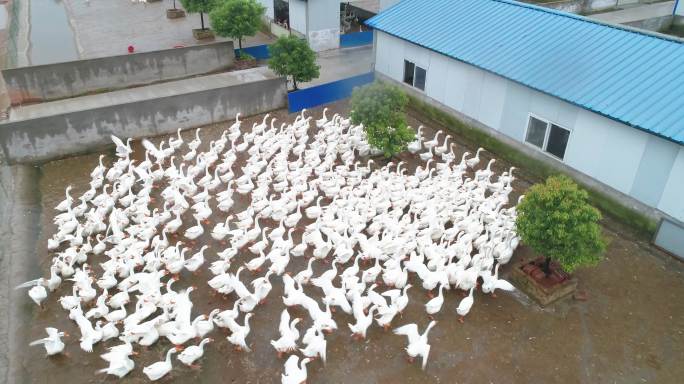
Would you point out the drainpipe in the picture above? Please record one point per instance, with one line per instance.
(674, 9)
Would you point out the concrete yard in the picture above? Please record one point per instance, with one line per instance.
(636, 13)
(341, 64)
(105, 28)
(630, 330)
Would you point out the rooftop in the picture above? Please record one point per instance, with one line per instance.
(627, 75)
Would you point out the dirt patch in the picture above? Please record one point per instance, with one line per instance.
(631, 328)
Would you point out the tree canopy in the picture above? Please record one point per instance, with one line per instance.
(236, 18)
(198, 6)
(556, 220)
(292, 56)
(380, 108)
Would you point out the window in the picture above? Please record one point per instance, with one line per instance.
(414, 75)
(409, 69)
(547, 136)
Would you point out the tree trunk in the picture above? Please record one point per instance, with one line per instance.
(174, 4)
(202, 18)
(294, 84)
(547, 266)
(240, 45)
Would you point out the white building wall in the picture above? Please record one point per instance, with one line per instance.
(672, 200)
(298, 17)
(606, 150)
(601, 148)
(679, 10)
(270, 10)
(323, 23)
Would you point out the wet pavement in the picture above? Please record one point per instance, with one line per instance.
(630, 330)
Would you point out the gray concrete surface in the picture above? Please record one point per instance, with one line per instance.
(75, 78)
(342, 63)
(20, 213)
(55, 129)
(106, 27)
(636, 13)
(655, 24)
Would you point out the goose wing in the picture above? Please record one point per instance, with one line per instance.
(118, 142)
(410, 331)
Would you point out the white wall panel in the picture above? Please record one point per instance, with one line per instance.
(456, 83)
(474, 81)
(298, 16)
(437, 77)
(672, 200)
(605, 150)
(492, 100)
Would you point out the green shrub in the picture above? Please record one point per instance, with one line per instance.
(556, 221)
(381, 110)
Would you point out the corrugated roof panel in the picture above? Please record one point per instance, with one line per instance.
(633, 77)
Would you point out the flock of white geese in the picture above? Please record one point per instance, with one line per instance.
(445, 223)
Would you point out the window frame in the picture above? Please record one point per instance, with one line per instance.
(413, 78)
(547, 133)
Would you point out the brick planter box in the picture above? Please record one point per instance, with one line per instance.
(528, 276)
(203, 34)
(175, 13)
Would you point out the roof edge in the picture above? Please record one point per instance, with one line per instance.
(556, 12)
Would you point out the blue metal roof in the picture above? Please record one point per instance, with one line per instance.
(629, 76)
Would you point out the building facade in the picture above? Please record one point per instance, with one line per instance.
(641, 167)
(318, 21)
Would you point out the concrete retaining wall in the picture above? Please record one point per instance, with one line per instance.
(654, 24)
(152, 110)
(572, 6)
(75, 78)
(578, 6)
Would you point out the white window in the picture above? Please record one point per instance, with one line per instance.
(414, 75)
(547, 136)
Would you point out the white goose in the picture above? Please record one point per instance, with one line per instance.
(295, 374)
(53, 343)
(289, 335)
(161, 368)
(239, 334)
(417, 344)
(190, 354)
(465, 305)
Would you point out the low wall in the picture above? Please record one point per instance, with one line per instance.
(572, 6)
(326, 93)
(139, 112)
(75, 78)
(577, 6)
(653, 24)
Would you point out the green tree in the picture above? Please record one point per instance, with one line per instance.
(291, 56)
(380, 108)
(201, 6)
(237, 18)
(556, 221)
